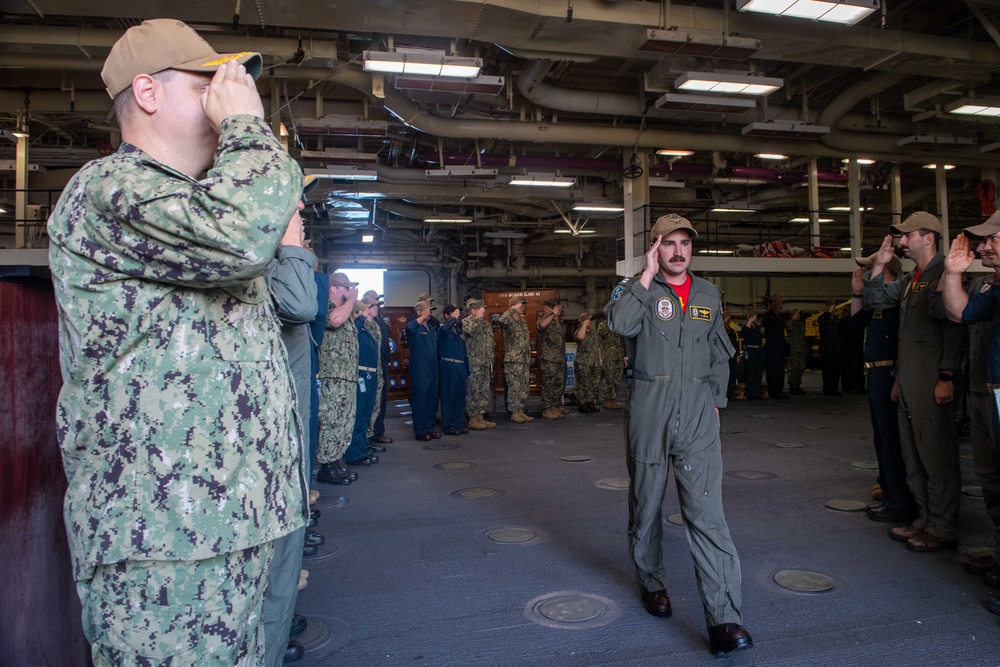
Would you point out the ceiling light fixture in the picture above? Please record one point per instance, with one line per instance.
(340, 156)
(981, 108)
(847, 12)
(487, 85)
(770, 156)
(368, 238)
(934, 140)
(599, 208)
(346, 126)
(579, 231)
(847, 209)
(543, 180)
(736, 209)
(947, 167)
(715, 252)
(860, 160)
(703, 103)
(724, 82)
(705, 44)
(782, 129)
(344, 173)
(424, 63)
(808, 220)
(664, 182)
(675, 152)
(456, 219)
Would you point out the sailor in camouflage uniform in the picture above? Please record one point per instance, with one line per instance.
(795, 331)
(480, 346)
(376, 434)
(612, 365)
(587, 364)
(516, 359)
(338, 371)
(177, 416)
(552, 358)
(372, 326)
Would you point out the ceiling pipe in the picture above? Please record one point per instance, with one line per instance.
(525, 161)
(532, 85)
(847, 100)
(538, 272)
(409, 113)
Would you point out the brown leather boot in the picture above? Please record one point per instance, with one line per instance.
(476, 423)
(487, 422)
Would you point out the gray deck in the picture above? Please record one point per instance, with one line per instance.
(414, 579)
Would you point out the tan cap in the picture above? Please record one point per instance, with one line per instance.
(894, 265)
(372, 298)
(425, 297)
(918, 220)
(988, 228)
(472, 304)
(421, 306)
(666, 224)
(359, 306)
(551, 303)
(339, 279)
(514, 300)
(584, 317)
(160, 44)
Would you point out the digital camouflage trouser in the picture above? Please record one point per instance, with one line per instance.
(337, 409)
(477, 397)
(516, 373)
(587, 377)
(611, 378)
(159, 613)
(553, 382)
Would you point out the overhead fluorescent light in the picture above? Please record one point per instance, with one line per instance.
(424, 63)
(847, 209)
(579, 231)
(461, 171)
(705, 44)
(860, 160)
(19, 134)
(599, 208)
(723, 82)
(543, 180)
(947, 167)
(770, 156)
(980, 108)
(736, 209)
(344, 173)
(368, 238)
(781, 129)
(457, 219)
(715, 252)
(487, 85)
(346, 126)
(809, 220)
(703, 103)
(340, 156)
(934, 140)
(847, 12)
(664, 182)
(674, 151)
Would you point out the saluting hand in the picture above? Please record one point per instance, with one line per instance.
(885, 252)
(857, 284)
(959, 257)
(231, 92)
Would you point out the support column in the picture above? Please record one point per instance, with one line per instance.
(896, 196)
(21, 187)
(636, 201)
(941, 188)
(814, 233)
(854, 201)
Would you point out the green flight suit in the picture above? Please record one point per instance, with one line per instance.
(680, 362)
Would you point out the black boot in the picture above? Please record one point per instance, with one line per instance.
(330, 474)
(342, 466)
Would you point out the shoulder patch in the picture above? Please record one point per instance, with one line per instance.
(664, 308)
(700, 313)
(617, 292)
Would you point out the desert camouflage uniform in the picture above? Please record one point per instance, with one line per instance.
(177, 417)
(587, 366)
(552, 358)
(480, 346)
(338, 401)
(612, 361)
(516, 359)
(372, 327)
(795, 331)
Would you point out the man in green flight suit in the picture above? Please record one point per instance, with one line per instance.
(177, 419)
(674, 336)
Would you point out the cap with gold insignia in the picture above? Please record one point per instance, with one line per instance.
(160, 44)
(671, 222)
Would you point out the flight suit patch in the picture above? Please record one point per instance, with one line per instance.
(664, 308)
(920, 287)
(617, 293)
(700, 313)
